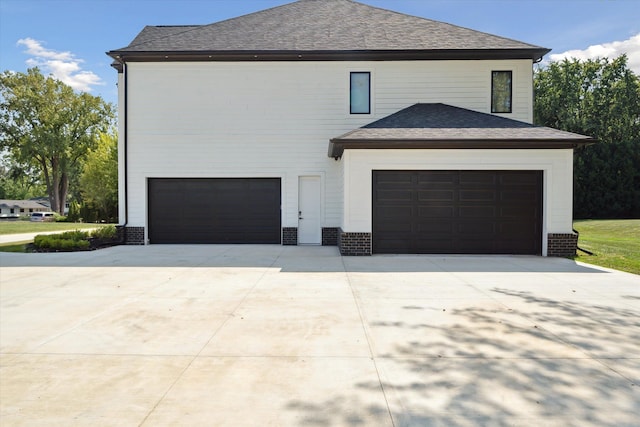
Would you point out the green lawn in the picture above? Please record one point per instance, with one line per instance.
(16, 227)
(614, 243)
(14, 247)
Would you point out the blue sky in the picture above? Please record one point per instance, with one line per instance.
(69, 38)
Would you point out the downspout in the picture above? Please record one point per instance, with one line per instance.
(578, 247)
(126, 139)
(123, 227)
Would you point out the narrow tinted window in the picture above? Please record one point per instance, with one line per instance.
(501, 91)
(360, 93)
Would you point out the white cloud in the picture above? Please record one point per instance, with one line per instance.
(64, 66)
(611, 50)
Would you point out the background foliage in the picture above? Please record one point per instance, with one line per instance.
(51, 137)
(599, 98)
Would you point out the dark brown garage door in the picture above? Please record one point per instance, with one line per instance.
(217, 210)
(457, 212)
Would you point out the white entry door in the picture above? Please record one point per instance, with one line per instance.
(309, 224)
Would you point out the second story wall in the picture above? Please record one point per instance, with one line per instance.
(216, 96)
(216, 119)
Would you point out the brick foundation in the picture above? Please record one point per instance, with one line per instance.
(562, 245)
(354, 244)
(329, 236)
(289, 236)
(134, 235)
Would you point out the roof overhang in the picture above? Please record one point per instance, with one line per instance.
(442, 126)
(122, 56)
(338, 145)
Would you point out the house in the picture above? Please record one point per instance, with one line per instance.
(13, 208)
(336, 123)
(47, 203)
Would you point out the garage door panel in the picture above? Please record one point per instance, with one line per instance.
(513, 232)
(432, 228)
(435, 177)
(435, 211)
(478, 195)
(459, 212)
(395, 195)
(524, 195)
(514, 178)
(435, 245)
(477, 212)
(214, 210)
(435, 195)
(398, 179)
(395, 229)
(476, 178)
(518, 212)
(474, 246)
(400, 212)
(477, 228)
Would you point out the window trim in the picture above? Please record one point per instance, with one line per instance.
(351, 111)
(493, 106)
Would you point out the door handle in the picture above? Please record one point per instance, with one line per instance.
(300, 215)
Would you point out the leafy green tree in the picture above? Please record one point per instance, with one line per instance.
(17, 183)
(99, 178)
(599, 98)
(45, 125)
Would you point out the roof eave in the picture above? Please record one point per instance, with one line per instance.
(337, 145)
(123, 55)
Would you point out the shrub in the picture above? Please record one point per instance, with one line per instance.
(42, 241)
(74, 235)
(60, 218)
(67, 241)
(72, 245)
(104, 233)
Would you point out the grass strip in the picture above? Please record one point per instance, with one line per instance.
(614, 243)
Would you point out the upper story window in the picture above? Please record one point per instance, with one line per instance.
(501, 91)
(360, 92)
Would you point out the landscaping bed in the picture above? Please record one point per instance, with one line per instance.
(76, 240)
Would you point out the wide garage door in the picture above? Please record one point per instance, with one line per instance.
(215, 210)
(457, 212)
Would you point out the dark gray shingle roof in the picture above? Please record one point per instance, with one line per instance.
(446, 126)
(322, 25)
(443, 116)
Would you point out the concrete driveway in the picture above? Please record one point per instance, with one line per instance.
(299, 336)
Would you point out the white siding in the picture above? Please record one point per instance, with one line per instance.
(557, 167)
(275, 119)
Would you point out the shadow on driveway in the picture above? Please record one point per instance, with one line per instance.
(555, 363)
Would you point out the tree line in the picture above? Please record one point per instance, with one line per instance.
(63, 144)
(599, 98)
(59, 144)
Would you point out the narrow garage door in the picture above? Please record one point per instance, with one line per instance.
(216, 210)
(457, 212)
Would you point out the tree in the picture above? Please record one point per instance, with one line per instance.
(599, 98)
(44, 124)
(17, 183)
(99, 178)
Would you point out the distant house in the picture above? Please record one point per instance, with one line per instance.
(45, 201)
(20, 207)
(333, 122)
